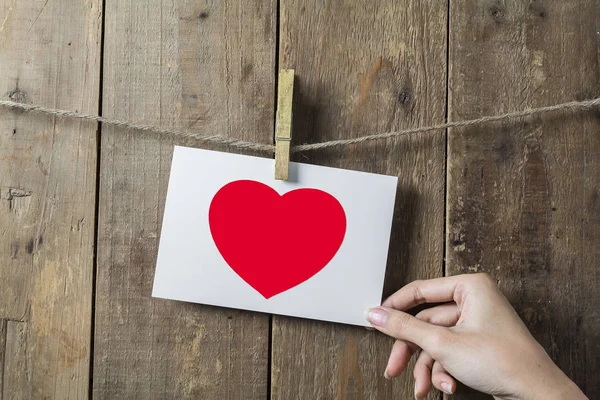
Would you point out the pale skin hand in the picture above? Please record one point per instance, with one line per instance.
(476, 337)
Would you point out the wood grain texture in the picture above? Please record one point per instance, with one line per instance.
(364, 67)
(195, 65)
(524, 198)
(50, 56)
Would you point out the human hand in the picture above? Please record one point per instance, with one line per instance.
(476, 337)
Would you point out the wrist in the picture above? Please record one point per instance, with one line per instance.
(554, 385)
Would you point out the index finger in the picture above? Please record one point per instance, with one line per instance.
(438, 290)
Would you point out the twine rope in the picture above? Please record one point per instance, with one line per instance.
(569, 107)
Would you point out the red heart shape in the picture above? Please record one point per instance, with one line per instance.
(275, 242)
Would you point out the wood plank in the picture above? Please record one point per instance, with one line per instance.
(365, 67)
(202, 66)
(50, 54)
(524, 198)
(15, 379)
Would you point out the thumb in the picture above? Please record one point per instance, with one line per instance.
(403, 326)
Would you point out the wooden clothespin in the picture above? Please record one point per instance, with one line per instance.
(283, 123)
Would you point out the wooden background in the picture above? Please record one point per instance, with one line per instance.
(81, 205)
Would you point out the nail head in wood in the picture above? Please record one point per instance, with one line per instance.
(283, 123)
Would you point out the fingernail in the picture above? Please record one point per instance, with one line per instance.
(377, 316)
(446, 387)
(367, 318)
(416, 396)
(386, 376)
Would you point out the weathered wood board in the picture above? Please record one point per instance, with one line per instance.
(365, 67)
(201, 66)
(50, 56)
(524, 198)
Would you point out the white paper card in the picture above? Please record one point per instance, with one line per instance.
(314, 246)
